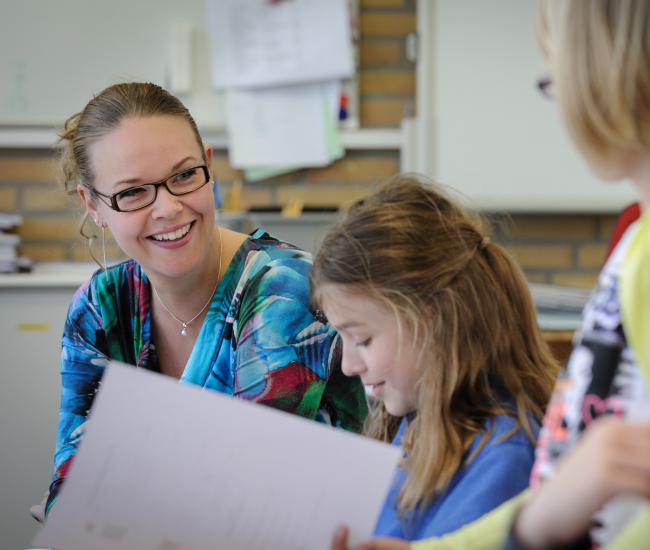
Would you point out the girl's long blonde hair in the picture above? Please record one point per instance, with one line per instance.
(470, 312)
(598, 54)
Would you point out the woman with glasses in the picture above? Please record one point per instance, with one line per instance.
(198, 302)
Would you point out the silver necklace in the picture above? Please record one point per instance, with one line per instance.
(186, 324)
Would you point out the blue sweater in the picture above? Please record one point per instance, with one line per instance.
(499, 472)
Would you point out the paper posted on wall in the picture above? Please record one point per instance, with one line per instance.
(256, 43)
(284, 126)
(168, 466)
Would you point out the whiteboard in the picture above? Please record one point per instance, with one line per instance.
(55, 54)
(495, 138)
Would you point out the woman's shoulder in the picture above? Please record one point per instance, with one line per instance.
(270, 256)
(266, 267)
(104, 280)
(275, 248)
(125, 270)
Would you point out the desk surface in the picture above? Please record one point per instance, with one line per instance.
(50, 275)
(560, 322)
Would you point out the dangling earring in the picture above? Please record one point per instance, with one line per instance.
(104, 246)
(91, 237)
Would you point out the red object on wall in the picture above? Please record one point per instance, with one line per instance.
(627, 217)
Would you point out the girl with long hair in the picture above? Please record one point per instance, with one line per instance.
(438, 322)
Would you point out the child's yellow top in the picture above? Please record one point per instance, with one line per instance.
(635, 295)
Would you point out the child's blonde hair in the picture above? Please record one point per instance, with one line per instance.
(601, 70)
(468, 307)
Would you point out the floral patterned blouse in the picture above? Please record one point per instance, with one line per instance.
(260, 341)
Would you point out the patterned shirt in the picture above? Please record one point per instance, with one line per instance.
(602, 376)
(259, 341)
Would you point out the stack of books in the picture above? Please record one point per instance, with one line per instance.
(558, 307)
(554, 298)
(10, 261)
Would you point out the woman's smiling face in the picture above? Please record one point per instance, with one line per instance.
(172, 236)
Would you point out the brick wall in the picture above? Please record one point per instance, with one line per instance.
(564, 249)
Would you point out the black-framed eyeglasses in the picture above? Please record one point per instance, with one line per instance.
(545, 86)
(141, 196)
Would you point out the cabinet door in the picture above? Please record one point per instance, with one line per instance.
(31, 324)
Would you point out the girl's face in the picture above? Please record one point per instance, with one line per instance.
(172, 236)
(374, 347)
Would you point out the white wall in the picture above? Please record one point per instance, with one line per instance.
(492, 135)
(55, 54)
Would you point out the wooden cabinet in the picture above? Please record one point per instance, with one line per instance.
(561, 344)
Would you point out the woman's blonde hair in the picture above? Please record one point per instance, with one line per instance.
(598, 53)
(468, 307)
(103, 113)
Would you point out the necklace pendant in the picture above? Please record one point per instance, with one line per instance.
(184, 330)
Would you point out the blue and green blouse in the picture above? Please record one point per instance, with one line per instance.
(260, 341)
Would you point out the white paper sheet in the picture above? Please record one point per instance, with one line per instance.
(167, 466)
(288, 125)
(262, 43)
